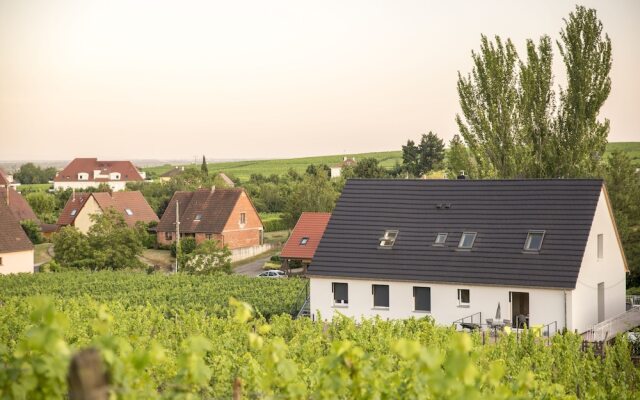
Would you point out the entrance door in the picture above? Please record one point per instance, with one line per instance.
(600, 301)
(519, 309)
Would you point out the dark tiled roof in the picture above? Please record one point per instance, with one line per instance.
(75, 202)
(126, 169)
(500, 211)
(173, 172)
(12, 236)
(18, 205)
(214, 208)
(311, 225)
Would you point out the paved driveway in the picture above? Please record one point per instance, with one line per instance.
(253, 268)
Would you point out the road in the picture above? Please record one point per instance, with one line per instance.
(253, 268)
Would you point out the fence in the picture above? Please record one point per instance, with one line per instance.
(248, 252)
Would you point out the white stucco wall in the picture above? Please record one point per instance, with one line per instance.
(609, 269)
(335, 172)
(20, 261)
(115, 186)
(545, 305)
(83, 218)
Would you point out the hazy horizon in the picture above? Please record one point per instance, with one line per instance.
(260, 80)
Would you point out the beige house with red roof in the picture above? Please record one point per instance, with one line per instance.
(225, 215)
(81, 206)
(16, 250)
(83, 173)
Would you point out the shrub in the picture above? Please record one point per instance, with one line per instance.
(187, 246)
(32, 229)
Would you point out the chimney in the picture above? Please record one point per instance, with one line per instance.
(213, 189)
(462, 175)
(73, 194)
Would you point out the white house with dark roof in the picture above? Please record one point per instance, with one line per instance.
(546, 251)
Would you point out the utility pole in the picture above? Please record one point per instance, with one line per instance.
(177, 234)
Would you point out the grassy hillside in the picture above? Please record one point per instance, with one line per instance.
(243, 169)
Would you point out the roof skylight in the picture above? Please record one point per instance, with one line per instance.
(534, 241)
(128, 211)
(441, 239)
(304, 241)
(389, 238)
(467, 239)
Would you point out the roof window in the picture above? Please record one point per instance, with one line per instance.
(534, 241)
(198, 217)
(467, 239)
(304, 241)
(74, 212)
(388, 239)
(128, 211)
(440, 239)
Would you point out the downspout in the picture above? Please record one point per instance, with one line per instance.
(566, 325)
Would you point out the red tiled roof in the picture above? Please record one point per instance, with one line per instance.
(346, 162)
(214, 208)
(311, 225)
(4, 179)
(17, 204)
(12, 236)
(121, 201)
(126, 169)
(133, 201)
(75, 202)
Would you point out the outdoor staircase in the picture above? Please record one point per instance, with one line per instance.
(608, 329)
(302, 305)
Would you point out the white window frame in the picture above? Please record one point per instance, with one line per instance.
(441, 234)
(388, 239)
(527, 242)
(128, 211)
(462, 303)
(304, 241)
(475, 235)
(74, 212)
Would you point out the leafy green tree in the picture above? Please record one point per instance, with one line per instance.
(313, 193)
(204, 168)
(114, 245)
(586, 53)
(44, 205)
(207, 258)
(459, 160)
(32, 229)
(30, 173)
(431, 153)
(71, 248)
(187, 246)
(367, 168)
(410, 158)
(488, 99)
(536, 102)
(623, 185)
(321, 170)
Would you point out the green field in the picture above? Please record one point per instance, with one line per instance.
(35, 187)
(243, 169)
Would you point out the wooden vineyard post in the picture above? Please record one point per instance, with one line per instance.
(237, 389)
(87, 377)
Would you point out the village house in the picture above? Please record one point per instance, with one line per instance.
(172, 173)
(545, 251)
(225, 215)
(83, 173)
(336, 170)
(81, 206)
(304, 240)
(16, 250)
(17, 204)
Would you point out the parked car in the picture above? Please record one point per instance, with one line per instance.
(272, 273)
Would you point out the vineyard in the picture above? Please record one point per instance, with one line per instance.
(153, 350)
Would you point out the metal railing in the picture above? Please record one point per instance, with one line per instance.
(610, 328)
(301, 301)
(548, 330)
(470, 319)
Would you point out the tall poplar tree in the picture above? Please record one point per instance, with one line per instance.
(204, 168)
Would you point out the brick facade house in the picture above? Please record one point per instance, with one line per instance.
(225, 215)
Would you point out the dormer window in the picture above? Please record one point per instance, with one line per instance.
(440, 239)
(198, 217)
(304, 241)
(128, 211)
(467, 239)
(388, 239)
(534, 241)
(83, 176)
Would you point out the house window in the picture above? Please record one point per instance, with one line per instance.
(128, 211)
(198, 217)
(421, 298)
(304, 241)
(340, 293)
(600, 246)
(243, 218)
(464, 297)
(74, 212)
(467, 239)
(440, 239)
(208, 236)
(380, 295)
(168, 235)
(388, 239)
(534, 241)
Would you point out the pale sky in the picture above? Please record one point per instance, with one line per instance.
(263, 79)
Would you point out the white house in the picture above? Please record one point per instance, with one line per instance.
(83, 173)
(544, 250)
(336, 170)
(16, 250)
